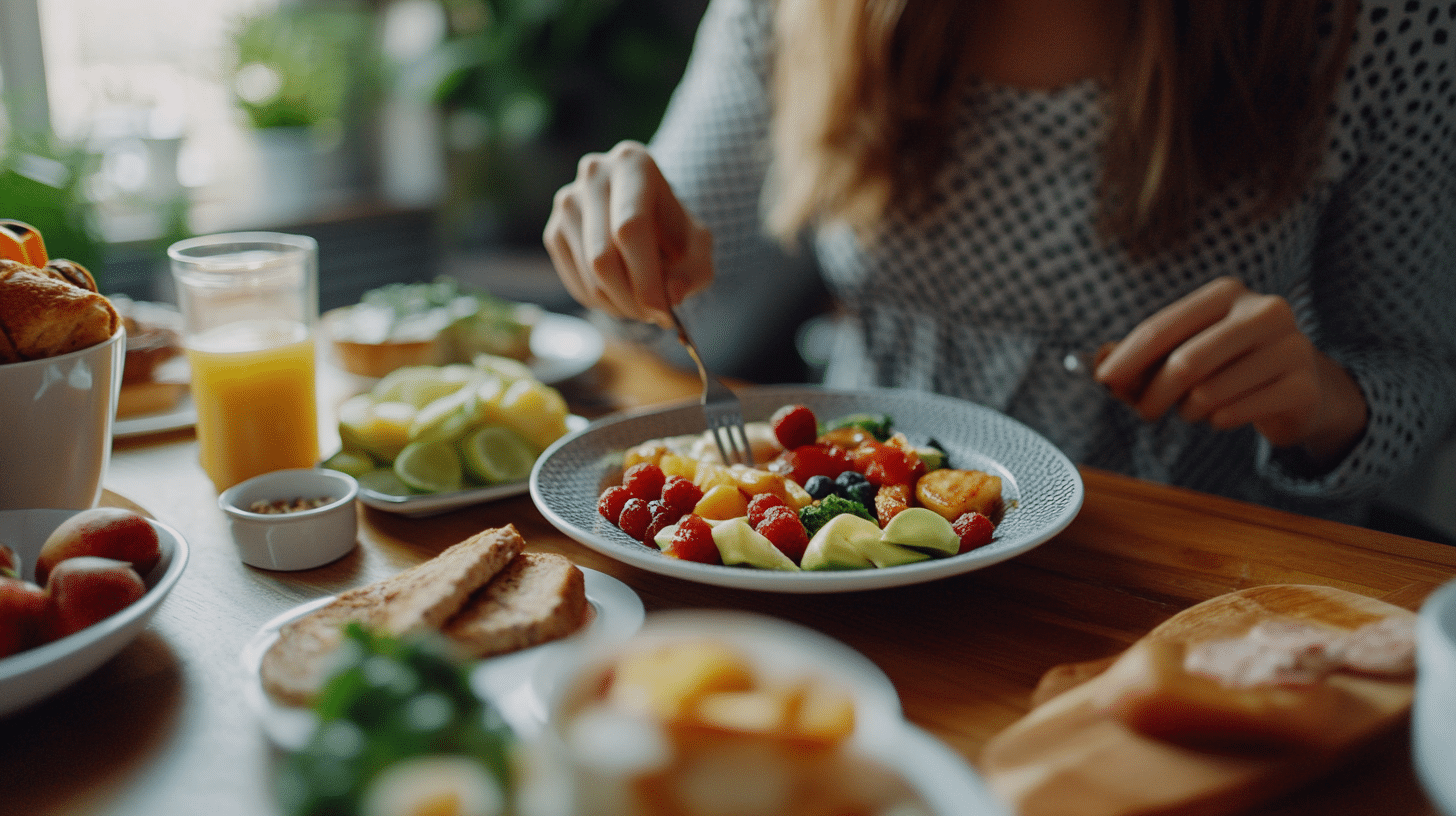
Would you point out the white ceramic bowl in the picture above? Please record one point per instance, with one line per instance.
(1434, 713)
(298, 540)
(32, 675)
(55, 426)
(777, 649)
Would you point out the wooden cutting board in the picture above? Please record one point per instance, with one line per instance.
(1070, 757)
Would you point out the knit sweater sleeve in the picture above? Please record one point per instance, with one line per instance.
(1384, 280)
(712, 146)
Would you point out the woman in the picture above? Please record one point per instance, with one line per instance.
(1241, 213)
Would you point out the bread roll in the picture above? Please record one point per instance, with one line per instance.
(46, 312)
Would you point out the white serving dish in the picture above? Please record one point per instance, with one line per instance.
(32, 675)
(1434, 712)
(297, 540)
(785, 650)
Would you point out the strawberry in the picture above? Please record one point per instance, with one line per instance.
(782, 527)
(611, 501)
(759, 505)
(681, 494)
(693, 541)
(794, 426)
(659, 515)
(807, 461)
(644, 480)
(636, 515)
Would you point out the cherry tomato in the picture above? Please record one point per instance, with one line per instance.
(806, 461)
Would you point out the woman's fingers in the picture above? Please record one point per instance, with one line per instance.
(620, 239)
(1138, 358)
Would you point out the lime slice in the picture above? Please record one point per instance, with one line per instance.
(380, 429)
(430, 467)
(354, 463)
(445, 419)
(386, 481)
(509, 369)
(496, 454)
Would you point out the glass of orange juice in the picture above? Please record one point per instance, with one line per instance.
(249, 304)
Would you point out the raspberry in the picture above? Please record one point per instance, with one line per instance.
(636, 515)
(794, 426)
(660, 514)
(693, 541)
(782, 527)
(610, 504)
(681, 494)
(974, 529)
(644, 481)
(759, 505)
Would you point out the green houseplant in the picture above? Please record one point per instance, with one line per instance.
(530, 85)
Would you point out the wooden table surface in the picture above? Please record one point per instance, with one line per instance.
(162, 728)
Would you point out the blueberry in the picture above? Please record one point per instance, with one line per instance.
(819, 487)
(862, 492)
(848, 479)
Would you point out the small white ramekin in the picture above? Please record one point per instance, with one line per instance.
(298, 540)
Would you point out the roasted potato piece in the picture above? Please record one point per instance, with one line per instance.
(950, 493)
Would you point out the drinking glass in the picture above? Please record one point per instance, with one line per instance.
(249, 304)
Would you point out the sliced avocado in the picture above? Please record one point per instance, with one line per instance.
(883, 553)
(922, 529)
(834, 546)
(739, 543)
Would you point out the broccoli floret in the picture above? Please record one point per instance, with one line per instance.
(877, 425)
(819, 513)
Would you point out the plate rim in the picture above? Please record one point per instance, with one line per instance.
(809, 582)
(580, 327)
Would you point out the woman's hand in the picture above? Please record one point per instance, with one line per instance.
(622, 242)
(1230, 357)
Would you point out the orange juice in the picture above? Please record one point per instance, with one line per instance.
(253, 385)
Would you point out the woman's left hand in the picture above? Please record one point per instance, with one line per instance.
(1231, 357)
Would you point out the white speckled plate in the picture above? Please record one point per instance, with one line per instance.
(1041, 487)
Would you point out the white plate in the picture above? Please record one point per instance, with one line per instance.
(1042, 488)
(563, 346)
(183, 415)
(780, 649)
(504, 680)
(32, 675)
(431, 504)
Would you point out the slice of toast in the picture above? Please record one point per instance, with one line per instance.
(422, 597)
(538, 597)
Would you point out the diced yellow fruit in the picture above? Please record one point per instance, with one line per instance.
(796, 496)
(754, 481)
(825, 714)
(668, 681)
(675, 464)
(762, 711)
(710, 475)
(720, 502)
(649, 452)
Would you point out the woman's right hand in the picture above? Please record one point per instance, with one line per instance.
(622, 242)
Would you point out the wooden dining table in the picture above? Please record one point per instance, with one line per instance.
(163, 729)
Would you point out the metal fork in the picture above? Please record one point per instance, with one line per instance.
(721, 407)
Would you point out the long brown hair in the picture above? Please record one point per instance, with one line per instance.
(1205, 93)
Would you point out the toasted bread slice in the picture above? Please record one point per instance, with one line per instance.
(537, 598)
(422, 597)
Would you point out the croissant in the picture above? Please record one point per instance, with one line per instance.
(51, 310)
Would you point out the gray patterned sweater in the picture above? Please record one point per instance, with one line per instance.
(984, 296)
